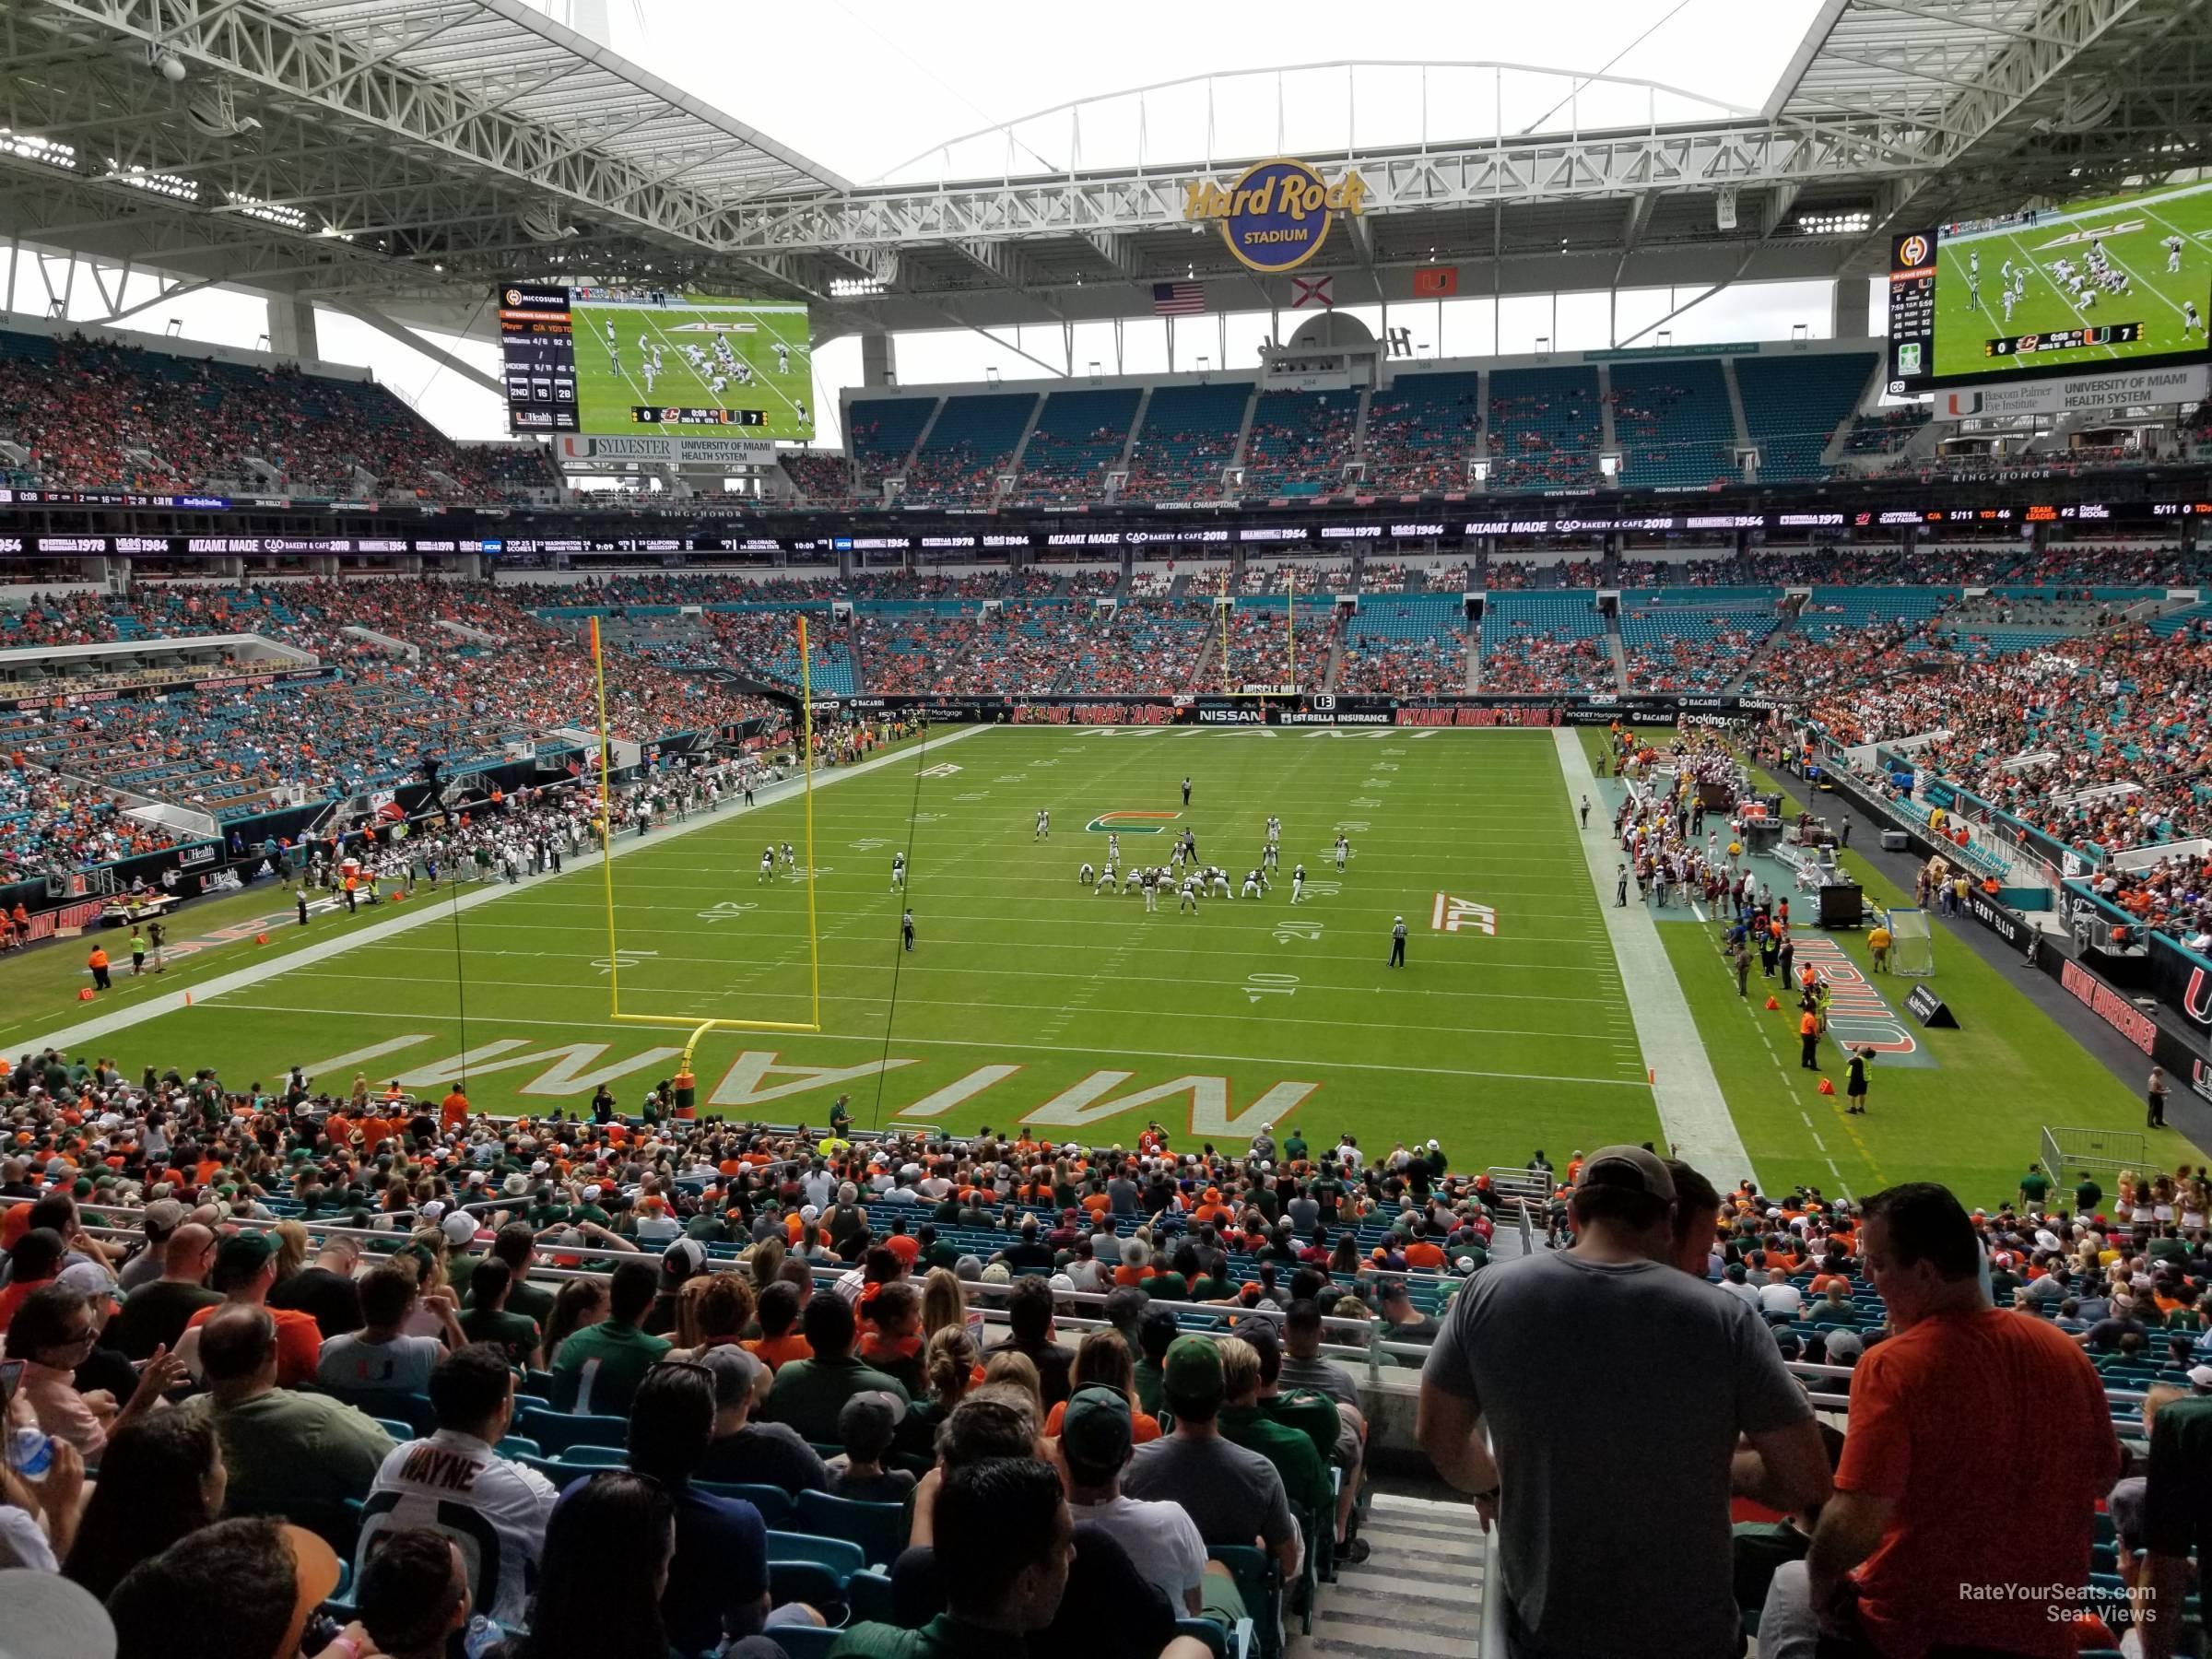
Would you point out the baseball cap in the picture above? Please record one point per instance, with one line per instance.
(682, 1259)
(2200, 1378)
(45, 1616)
(1192, 1371)
(1843, 1347)
(1631, 1168)
(734, 1373)
(459, 1228)
(870, 1418)
(241, 1256)
(1096, 1429)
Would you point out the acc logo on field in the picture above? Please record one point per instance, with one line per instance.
(1131, 823)
(1276, 216)
(1912, 250)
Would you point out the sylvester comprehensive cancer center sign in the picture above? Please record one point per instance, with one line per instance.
(1275, 217)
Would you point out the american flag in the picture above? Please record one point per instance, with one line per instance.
(1178, 298)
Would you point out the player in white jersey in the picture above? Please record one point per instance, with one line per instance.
(1189, 900)
(1298, 883)
(898, 872)
(798, 408)
(1113, 848)
(1275, 828)
(612, 344)
(1085, 876)
(1044, 827)
(1270, 856)
(743, 373)
(1252, 884)
(2172, 245)
(1108, 879)
(791, 859)
(650, 372)
(1344, 849)
(767, 862)
(715, 382)
(783, 358)
(2191, 322)
(1220, 877)
(2010, 299)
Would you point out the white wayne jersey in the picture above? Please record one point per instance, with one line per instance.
(493, 1509)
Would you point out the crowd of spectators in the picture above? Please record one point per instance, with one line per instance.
(49, 823)
(98, 415)
(306, 1333)
(500, 676)
(2101, 742)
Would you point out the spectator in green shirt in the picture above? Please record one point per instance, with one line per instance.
(599, 1368)
(298, 1455)
(809, 1393)
(1242, 1423)
(514, 1334)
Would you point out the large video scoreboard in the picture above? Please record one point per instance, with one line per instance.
(2116, 283)
(615, 361)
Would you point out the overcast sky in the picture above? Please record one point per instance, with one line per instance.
(903, 87)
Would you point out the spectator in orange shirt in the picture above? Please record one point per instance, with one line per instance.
(780, 1340)
(453, 1111)
(1954, 1420)
(244, 1270)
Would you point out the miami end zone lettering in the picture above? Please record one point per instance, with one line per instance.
(2109, 1006)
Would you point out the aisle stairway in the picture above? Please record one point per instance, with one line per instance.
(1420, 1592)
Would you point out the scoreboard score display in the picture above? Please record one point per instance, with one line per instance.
(609, 361)
(2117, 284)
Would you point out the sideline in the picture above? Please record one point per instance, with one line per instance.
(123, 1019)
(1692, 1110)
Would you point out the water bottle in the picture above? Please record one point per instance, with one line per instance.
(482, 1635)
(30, 1452)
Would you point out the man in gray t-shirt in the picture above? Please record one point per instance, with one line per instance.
(1615, 1389)
(1232, 1495)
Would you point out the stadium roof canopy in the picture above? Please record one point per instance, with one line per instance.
(401, 155)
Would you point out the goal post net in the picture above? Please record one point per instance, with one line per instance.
(1911, 943)
(697, 1024)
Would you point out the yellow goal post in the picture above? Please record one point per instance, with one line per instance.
(698, 1026)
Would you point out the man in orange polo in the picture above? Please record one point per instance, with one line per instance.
(1809, 1037)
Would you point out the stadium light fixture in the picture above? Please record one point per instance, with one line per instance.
(28, 147)
(171, 185)
(1853, 221)
(855, 288)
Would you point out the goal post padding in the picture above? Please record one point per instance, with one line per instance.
(1911, 942)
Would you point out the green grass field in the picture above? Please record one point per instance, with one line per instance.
(610, 383)
(1029, 998)
(2134, 231)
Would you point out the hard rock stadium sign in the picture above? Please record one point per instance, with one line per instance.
(1276, 216)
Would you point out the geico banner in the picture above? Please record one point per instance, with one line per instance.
(582, 451)
(2079, 392)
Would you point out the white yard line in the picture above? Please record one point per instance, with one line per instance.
(1691, 1113)
(428, 912)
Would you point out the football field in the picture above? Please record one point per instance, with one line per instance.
(618, 376)
(2133, 232)
(1523, 1018)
